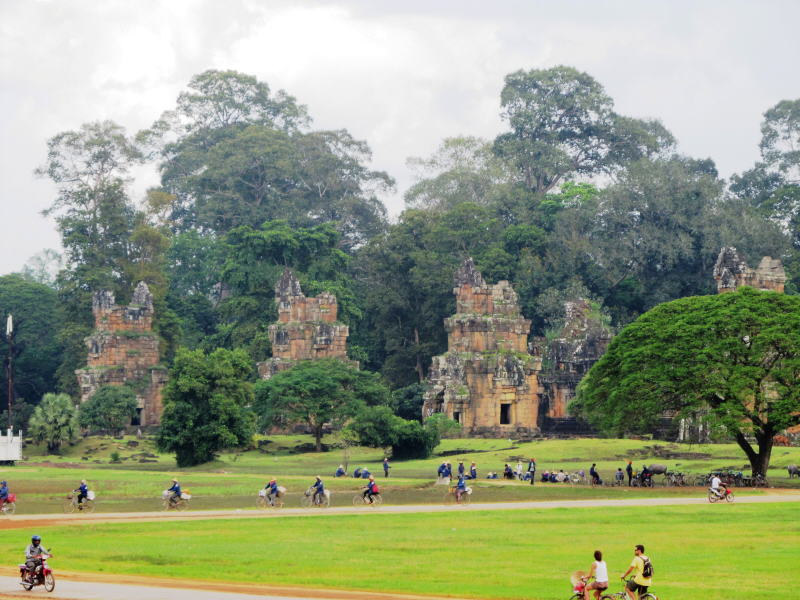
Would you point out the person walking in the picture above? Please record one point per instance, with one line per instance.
(629, 471)
(532, 469)
(386, 467)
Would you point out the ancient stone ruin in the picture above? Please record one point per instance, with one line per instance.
(567, 357)
(124, 349)
(307, 328)
(487, 379)
(731, 272)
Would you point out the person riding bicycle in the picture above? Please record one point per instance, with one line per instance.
(371, 490)
(639, 583)
(33, 556)
(461, 488)
(175, 492)
(272, 491)
(716, 482)
(599, 571)
(3, 493)
(319, 490)
(83, 493)
(594, 474)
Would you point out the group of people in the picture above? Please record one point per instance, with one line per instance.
(640, 566)
(82, 490)
(362, 472)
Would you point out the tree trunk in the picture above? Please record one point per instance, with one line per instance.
(318, 437)
(418, 368)
(759, 461)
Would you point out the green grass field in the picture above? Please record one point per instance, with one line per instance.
(233, 480)
(697, 551)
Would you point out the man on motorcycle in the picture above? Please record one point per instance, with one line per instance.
(319, 491)
(716, 482)
(176, 492)
(371, 489)
(83, 493)
(272, 491)
(33, 557)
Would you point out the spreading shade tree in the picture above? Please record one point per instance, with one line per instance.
(731, 360)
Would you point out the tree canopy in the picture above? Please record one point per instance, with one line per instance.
(733, 359)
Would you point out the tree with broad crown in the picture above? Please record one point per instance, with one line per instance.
(206, 405)
(316, 392)
(54, 422)
(733, 359)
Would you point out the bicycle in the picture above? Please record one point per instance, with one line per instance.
(309, 499)
(9, 507)
(361, 500)
(623, 595)
(182, 503)
(451, 498)
(263, 502)
(71, 504)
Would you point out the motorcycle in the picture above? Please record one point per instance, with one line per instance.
(42, 575)
(724, 494)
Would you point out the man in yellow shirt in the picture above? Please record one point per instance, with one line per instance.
(642, 576)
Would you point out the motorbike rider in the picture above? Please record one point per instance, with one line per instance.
(33, 557)
(371, 489)
(716, 482)
(175, 490)
(3, 493)
(272, 491)
(319, 490)
(83, 493)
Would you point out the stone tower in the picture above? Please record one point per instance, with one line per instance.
(579, 344)
(487, 379)
(731, 272)
(124, 349)
(307, 328)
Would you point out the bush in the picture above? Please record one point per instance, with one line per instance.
(54, 421)
(110, 409)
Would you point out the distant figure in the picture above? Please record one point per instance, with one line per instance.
(365, 473)
(518, 470)
(448, 469)
(386, 467)
(473, 471)
(619, 476)
(594, 474)
(507, 472)
(340, 472)
(357, 473)
(545, 475)
(629, 471)
(532, 469)
(441, 470)
(561, 477)
(461, 468)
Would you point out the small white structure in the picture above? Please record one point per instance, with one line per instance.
(10, 446)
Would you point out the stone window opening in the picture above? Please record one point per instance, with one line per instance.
(505, 414)
(457, 416)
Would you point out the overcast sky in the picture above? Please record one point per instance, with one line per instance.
(401, 75)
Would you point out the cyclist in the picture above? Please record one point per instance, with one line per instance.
(639, 583)
(175, 492)
(33, 557)
(3, 493)
(461, 488)
(83, 493)
(371, 489)
(319, 490)
(272, 491)
(716, 482)
(594, 474)
(599, 571)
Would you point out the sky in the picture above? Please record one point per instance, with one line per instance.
(401, 75)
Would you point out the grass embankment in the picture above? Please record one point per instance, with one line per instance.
(232, 481)
(697, 551)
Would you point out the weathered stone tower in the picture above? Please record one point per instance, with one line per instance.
(579, 344)
(487, 379)
(731, 272)
(307, 328)
(124, 349)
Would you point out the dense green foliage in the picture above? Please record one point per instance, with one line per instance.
(110, 409)
(206, 405)
(379, 427)
(732, 360)
(570, 199)
(317, 392)
(54, 421)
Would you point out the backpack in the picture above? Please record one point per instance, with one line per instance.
(647, 571)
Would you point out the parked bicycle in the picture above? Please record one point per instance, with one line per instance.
(71, 503)
(675, 479)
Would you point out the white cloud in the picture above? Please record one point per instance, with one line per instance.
(400, 75)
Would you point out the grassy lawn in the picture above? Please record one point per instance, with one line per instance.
(696, 550)
(233, 479)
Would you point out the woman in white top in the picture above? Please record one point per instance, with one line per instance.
(599, 571)
(518, 470)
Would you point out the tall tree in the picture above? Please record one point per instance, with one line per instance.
(54, 422)
(206, 405)
(731, 358)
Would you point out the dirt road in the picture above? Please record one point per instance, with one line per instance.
(22, 521)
